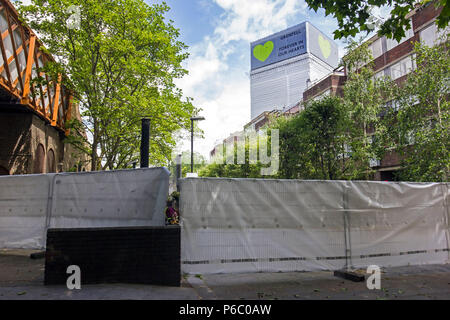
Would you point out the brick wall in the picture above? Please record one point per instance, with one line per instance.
(21, 132)
(333, 82)
(391, 159)
(403, 49)
(317, 88)
(424, 15)
(20, 135)
(50, 138)
(15, 142)
(147, 255)
(261, 123)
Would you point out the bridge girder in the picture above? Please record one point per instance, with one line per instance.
(21, 58)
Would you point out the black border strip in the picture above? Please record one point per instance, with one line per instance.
(375, 255)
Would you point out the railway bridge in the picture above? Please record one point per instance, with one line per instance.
(33, 113)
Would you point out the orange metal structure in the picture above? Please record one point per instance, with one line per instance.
(20, 59)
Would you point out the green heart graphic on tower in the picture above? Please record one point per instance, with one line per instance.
(262, 52)
(325, 46)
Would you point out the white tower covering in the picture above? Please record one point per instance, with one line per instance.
(282, 63)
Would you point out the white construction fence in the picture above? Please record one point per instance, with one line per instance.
(30, 204)
(254, 225)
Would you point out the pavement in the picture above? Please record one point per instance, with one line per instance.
(21, 278)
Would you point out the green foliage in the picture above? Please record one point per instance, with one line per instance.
(354, 16)
(420, 129)
(364, 100)
(336, 138)
(120, 63)
(199, 163)
(220, 167)
(312, 143)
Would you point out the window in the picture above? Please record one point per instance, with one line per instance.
(347, 152)
(322, 95)
(431, 35)
(391, 43)
(374, 163)
(378, 75)
(413, 100)
(376, 48)
(410, 137)
(393, 104)
(402, 67)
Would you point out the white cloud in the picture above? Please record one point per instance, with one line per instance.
(203, 64)
(250, 20)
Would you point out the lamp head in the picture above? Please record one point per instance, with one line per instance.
(197, 118)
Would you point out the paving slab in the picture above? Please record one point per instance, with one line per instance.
(21, 278)
(411, 282)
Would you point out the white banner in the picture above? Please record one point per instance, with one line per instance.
(253, 225)
(29, 204)
(23, 210)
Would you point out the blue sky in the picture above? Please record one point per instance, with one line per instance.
(219, 33)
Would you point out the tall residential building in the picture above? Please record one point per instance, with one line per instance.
(283, 64)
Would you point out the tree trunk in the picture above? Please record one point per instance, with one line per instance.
(365, 149)
(94, 156)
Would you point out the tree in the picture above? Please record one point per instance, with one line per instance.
(312, 143)
(364, 100)
(250, 168)
(292, 147)
(336, 138)
(354, 16)
(199, 163)
(120, 58)
(421, 121)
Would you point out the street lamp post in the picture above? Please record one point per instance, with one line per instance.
(178, 171)
(192, 139)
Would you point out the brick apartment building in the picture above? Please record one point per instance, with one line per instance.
(392, 59)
